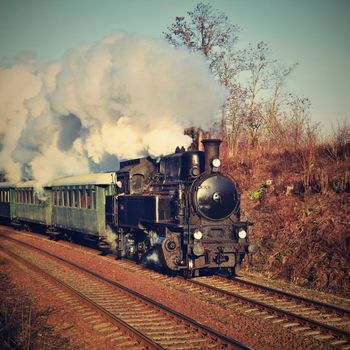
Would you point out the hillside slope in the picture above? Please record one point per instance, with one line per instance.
(301, 216)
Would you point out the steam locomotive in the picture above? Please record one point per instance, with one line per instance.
(180, 211)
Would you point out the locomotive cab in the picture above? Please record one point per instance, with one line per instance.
(134, 175)
(182, 165)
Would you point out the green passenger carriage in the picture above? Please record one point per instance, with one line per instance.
(32, 206)
(7, 201)
(78, 204)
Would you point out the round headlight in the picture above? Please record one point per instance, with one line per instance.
(242, 234)
(197, 234)
(216, 163)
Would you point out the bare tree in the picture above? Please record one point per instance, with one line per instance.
(257, 62)
(252, 76)
(339, 141)
(276, 103)
(207, 30)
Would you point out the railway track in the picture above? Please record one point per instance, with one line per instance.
(322, 321)
(313, 319)
(134, 320)
(325, 322)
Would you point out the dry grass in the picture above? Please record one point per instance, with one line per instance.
(298, 196)
(22, 326)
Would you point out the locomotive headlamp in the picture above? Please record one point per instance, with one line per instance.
(242, 234)
(197, 234)
(216, 162)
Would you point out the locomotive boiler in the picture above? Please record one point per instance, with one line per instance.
(181, 212)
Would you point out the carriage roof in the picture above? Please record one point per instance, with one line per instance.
(7, 184)
(86, 179)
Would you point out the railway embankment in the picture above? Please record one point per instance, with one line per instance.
(300, 205)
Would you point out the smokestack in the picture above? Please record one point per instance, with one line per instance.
(211, 151)
(199, 140)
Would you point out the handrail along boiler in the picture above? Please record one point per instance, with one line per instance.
(181, 211)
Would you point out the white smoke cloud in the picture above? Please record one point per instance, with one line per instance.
(17, 84)
(119, 98)
(61, 163)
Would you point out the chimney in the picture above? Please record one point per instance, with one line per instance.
(211, 151)
(200, 135)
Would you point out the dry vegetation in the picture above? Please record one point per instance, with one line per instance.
(22, 325)
(296, 190)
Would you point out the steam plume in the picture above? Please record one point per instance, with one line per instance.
(119, 98)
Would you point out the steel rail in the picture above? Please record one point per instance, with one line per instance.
(329, 307)
(132, 332)
(280, 312)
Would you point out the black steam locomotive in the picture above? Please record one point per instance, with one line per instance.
(180, 211)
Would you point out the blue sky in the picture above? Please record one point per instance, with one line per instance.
(314, 33)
